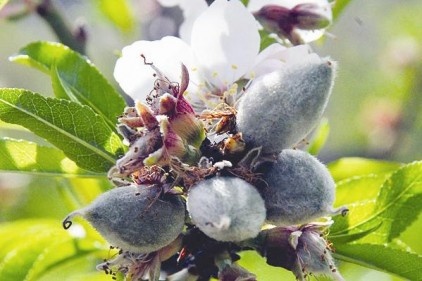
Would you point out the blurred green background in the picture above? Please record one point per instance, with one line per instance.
(375, 110)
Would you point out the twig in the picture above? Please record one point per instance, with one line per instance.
(75, 40)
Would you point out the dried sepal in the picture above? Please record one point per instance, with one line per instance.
(226, 116)
(140, 150)
(228, 270)
(149, 120)
(300, 249)
(135, 266)
(233, 144)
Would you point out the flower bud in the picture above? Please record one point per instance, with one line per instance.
(137, 219)
(299, 189)
(294, 22)
(226, 208)
(310, 16)
(281, 108)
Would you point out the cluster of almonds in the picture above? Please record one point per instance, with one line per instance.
(195, 189)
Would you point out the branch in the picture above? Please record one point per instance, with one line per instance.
(75, 40)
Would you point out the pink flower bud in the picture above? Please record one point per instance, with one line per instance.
(310, 16)
(288, 23)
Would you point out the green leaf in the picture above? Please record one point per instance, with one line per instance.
(353, 166)
(399, 203)
(339, 6)
(29, 157)
(382, 258)
(255, 263)
(31, 248)
(75, 129)
(77, 269)
(266, 39)
(118, 12)
(60, 89)
(359, 195)
(74, 77)
(352, 236)
(320, 137)
(245, 2)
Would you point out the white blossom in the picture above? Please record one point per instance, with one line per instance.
(193, 9)
(224, 48)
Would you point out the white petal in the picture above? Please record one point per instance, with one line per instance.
(190, 16)
(268, 60)
(276, 56)
(299, 54)
(136, 78)
(225, 41)
(310, 35)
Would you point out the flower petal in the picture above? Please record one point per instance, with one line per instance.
(276, 56)
(268, 60)
(225, 40)
(136, 77)
(298, 54)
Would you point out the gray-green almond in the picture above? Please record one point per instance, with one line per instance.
(226, 208)
(135, 218)
(299, 189)
(279, 109)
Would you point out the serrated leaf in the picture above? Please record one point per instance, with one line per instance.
(118, 12)
(320, 137)
(354, 166)
(38, 246)
(399, 203)
(380, 257)
(74, 77)
(359, 195)
(29, 157)
(352, 236)
(75, 129)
